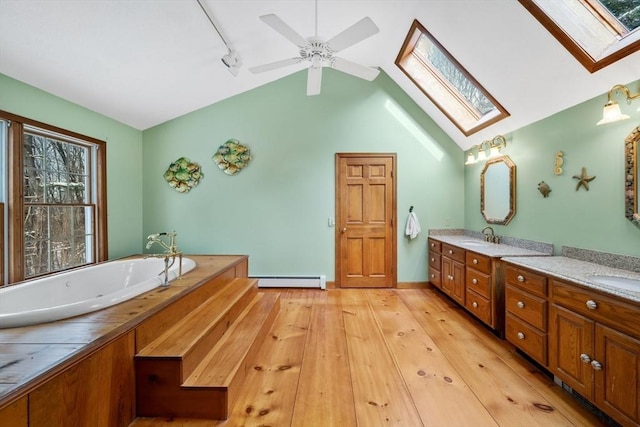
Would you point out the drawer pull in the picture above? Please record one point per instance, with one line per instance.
(520, 278)
(520, 336)
(592, 305)
(520, 304)
(433, 245)
(475, 304)
(596, 365)
(433, 276)
(475, 261)
(433, 260)
(474, 281)
(585, 358)
(450, 252)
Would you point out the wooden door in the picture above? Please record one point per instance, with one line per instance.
(618, 379)
(447, 275)
(571, 349)
(365, 220)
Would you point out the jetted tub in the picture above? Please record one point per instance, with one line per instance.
(83, 290)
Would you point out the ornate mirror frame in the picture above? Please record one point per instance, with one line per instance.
(632, 179)
(512, 190)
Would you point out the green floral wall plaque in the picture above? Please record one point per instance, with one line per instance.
(232, 157)
(183, 175)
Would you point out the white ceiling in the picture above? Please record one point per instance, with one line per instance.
(143, 62)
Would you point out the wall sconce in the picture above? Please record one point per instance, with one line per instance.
(492, 147)
(611, 111)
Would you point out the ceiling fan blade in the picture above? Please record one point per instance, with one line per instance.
(285, 30)
(274, 65)
(354, 69)
(357, 32)
(314, 80)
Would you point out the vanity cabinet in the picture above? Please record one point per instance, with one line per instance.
(472, 279)
(435, 275)
(453, 270)
(594, 347)
(526, 306)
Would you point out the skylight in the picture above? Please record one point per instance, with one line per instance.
(596, 32)
(446, 83)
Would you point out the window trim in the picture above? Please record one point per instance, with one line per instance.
(590, 63)
(15, 232)
(407, 49)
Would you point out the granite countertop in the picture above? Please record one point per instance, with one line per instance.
(580, 272)
(495, 250)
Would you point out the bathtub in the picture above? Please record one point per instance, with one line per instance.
(83, 290)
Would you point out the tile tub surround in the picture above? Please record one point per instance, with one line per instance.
(623, 262)
(579, 272)
(494, 250)
(532, 245)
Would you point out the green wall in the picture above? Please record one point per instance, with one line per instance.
(276, 210)
(591, 219)
(124, 156)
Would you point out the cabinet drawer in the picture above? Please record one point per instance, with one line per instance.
(527, 280)
(527, 307)
(435, 277)
(479, 306)
(453, 252)
(478, 282)
(434, 260)
(478, 262)
(526, 338)
(434, 246)
(611, 311)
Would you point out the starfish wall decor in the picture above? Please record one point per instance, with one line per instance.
(583, 180)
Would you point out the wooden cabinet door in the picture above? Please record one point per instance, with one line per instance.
(618, 381)
(458, 282)
(365, 209)
(447, 274)
(571, 349)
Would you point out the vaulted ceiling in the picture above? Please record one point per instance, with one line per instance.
(143, 62)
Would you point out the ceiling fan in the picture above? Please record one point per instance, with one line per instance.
(320, 53)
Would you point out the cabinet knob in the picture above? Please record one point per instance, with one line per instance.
(596, 365)
(433, 245)
(520, 336)
(475, 261)
(474, 281)
(475, 304)
(585, 358)
(433, 276)
(433, 260)
(520, 278)
(520, 304)
(592, 305)
(450, 252)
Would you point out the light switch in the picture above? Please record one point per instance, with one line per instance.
(331, 222)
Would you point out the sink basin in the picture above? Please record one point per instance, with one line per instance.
(618, 282)
(473, 243)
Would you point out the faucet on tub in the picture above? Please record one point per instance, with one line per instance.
(490, 237)
(170, 252)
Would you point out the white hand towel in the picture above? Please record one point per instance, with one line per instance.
(413, 226)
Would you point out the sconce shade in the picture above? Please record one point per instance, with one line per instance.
(481, 155)
(494, 152)
(611, 113)
(471, 159)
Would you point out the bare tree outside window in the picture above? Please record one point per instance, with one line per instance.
(58, 214)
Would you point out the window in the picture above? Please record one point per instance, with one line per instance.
(596, 32)
(446, 83)
(55, 199)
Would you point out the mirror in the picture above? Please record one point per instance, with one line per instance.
(632, 177)
(498, 190)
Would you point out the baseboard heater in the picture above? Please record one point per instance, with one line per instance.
(292, 281)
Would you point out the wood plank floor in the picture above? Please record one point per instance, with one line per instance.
(374, 358)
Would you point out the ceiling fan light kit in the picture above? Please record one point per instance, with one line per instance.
(319, 53)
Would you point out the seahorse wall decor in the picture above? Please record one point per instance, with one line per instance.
(557, 167)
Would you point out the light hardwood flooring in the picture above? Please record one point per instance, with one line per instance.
(374, 358)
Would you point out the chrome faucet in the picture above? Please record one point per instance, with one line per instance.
(490, 237)
(170, 253)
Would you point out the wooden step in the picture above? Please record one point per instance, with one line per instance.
(181, 348)
(212, 387)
